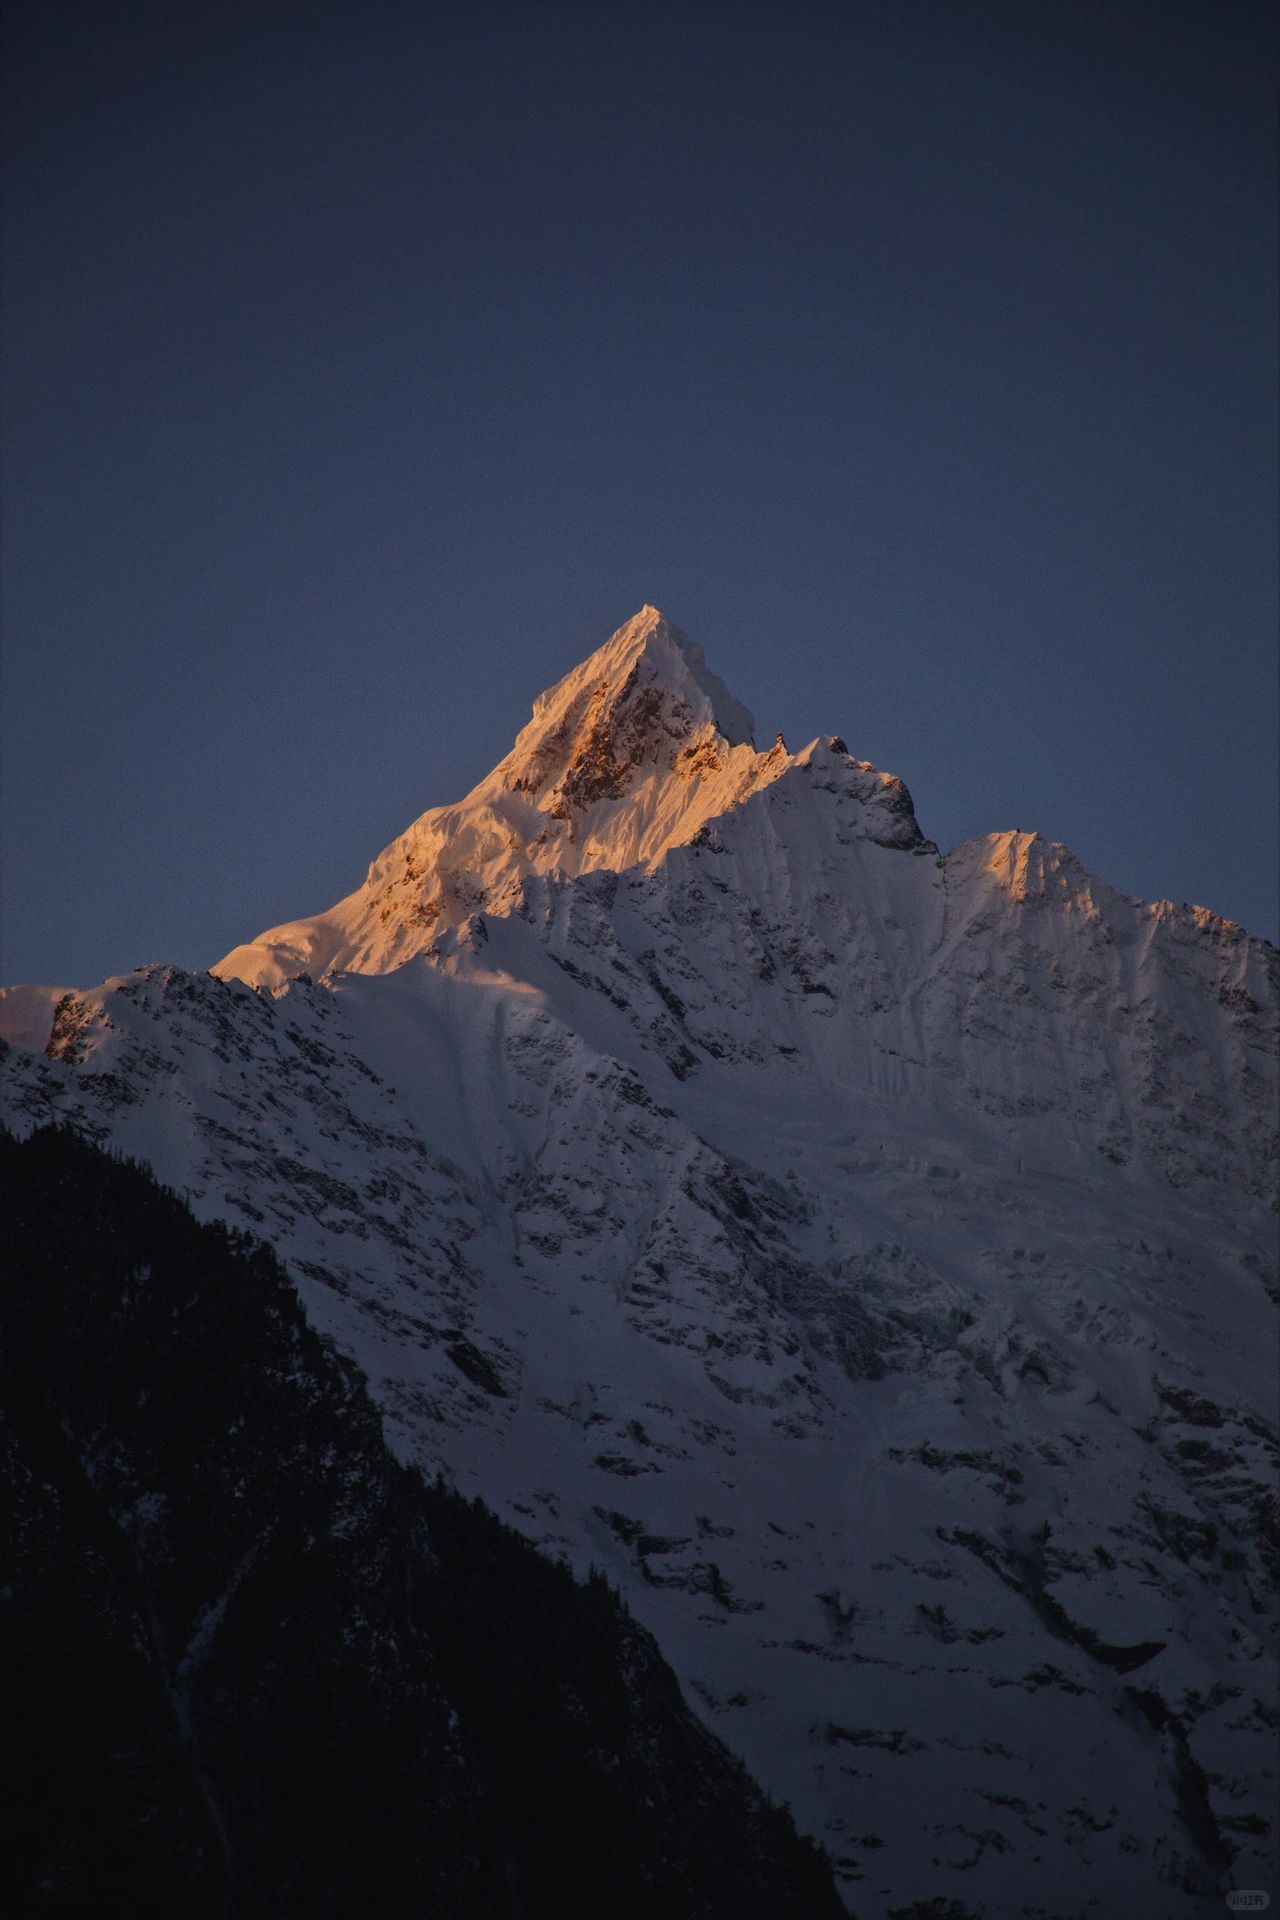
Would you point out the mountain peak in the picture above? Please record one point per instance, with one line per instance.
(634, 703)
(631, 755)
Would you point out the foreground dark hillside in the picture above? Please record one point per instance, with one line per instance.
(256, 1667)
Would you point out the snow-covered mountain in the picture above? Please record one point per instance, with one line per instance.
(863, 1255)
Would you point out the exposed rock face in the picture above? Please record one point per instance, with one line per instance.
(850, 1248)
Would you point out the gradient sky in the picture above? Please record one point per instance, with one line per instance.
(366, 365)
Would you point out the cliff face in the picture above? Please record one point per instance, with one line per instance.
(863, 1254)
(259, 1667)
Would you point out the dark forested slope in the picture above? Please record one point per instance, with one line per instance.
(255, 1666)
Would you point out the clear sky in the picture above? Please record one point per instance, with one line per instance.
(365, 365)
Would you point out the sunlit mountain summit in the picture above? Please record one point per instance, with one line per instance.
(629, 756)
(863, 1254)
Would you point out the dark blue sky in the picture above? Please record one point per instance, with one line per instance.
(365, 366)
